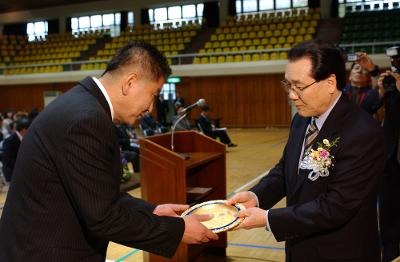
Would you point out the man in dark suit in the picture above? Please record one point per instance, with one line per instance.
(329, 171)
(64, 202)
(389, 208)
(11, 145)
(208, 128)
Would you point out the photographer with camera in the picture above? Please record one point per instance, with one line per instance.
(363, 80)
(389, 208)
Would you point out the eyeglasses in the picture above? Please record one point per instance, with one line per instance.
(287, 86)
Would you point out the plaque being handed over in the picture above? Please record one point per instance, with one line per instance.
(224, 216)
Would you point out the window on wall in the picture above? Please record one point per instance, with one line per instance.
(247, 6)
(131, 18)
(37, 30)
(110, 21)
(173, 14)
(168, 91)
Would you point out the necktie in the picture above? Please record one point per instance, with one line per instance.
(312, 133)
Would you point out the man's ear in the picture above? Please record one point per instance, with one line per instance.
(331, 81)
(128, 83)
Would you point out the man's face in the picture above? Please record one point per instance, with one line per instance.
(313, 100)
(359, 77)
(140, 98)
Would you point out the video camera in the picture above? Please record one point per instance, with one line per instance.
(389, 82)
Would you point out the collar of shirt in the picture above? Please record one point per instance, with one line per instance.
(19, 135)
(105, 94)
(319, 121)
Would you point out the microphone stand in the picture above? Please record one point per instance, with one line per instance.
(184, 155)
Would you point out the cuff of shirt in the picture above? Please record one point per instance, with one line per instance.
(268, 227)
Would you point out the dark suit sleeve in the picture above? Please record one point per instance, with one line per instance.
(10, 152)
(271, 188)
(357, 170)
(86, 162)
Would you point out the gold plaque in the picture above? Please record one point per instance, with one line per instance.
(224, 216)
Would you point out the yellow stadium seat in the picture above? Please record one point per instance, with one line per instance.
(226, 49)
(274, 56)
(234, 49)
(264, 41)
(285, 32)
(229, 59)
(221, 59)
(283, 55)
(204, 60)
(276, 33)
(243, 48)
(223, 44)
(215, 44)
(307, 37)
(247, 58)
(265, 56)
(248, 42)
(255, 57)
(302, 31)
(290, 39)
(252, 35)
(238, 58)
(239, 43)
(231, 43)
(213, 60)
(268, 33)
(256, 41)
(273, 40)
(311, 30)
(299, 38)
(287, 45)
(229, 36)
(218, 50)
(281, 40)
(221, 37)
(196, 60)
(260, 47)
(277, 46)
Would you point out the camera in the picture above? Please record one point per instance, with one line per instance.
(351, 57)
(389, 82)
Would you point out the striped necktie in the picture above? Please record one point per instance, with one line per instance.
(312, 133)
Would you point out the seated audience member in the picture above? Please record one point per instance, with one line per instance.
(127, 140)
(184, 124)
(11, 146)
(150, 126)
(208, 128)
(361, 89)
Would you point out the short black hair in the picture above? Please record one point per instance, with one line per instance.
(326, 59)
(22, 123)
(143, 55)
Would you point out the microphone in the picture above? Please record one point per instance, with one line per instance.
(200, 102)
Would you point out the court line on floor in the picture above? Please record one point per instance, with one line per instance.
(229, 195)
(127, 255)
(253, 181)
(255, 246)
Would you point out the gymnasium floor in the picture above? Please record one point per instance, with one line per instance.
(258, 150)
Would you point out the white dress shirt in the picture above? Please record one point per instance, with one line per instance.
(105, 94)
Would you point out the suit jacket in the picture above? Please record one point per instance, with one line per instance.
(64, 202)
(10, 151)
(206, 125)
(332, 218)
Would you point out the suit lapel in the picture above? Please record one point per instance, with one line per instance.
(89, 84)
(294, 149)
(330, 131)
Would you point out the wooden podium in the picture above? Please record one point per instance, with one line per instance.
(166, 177)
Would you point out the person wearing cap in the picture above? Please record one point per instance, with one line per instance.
(208, 128)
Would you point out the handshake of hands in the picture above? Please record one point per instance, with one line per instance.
(197, 233)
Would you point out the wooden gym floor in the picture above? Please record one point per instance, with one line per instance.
(258, 150)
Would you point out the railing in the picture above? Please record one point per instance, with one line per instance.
(183, 59)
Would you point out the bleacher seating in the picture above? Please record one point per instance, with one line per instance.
(261, 31)
(371, 26)
(171, 41)
(52, 51)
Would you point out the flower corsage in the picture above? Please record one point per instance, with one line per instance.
(319, 161)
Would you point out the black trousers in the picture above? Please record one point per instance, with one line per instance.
(222, 135)
(389, 211)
